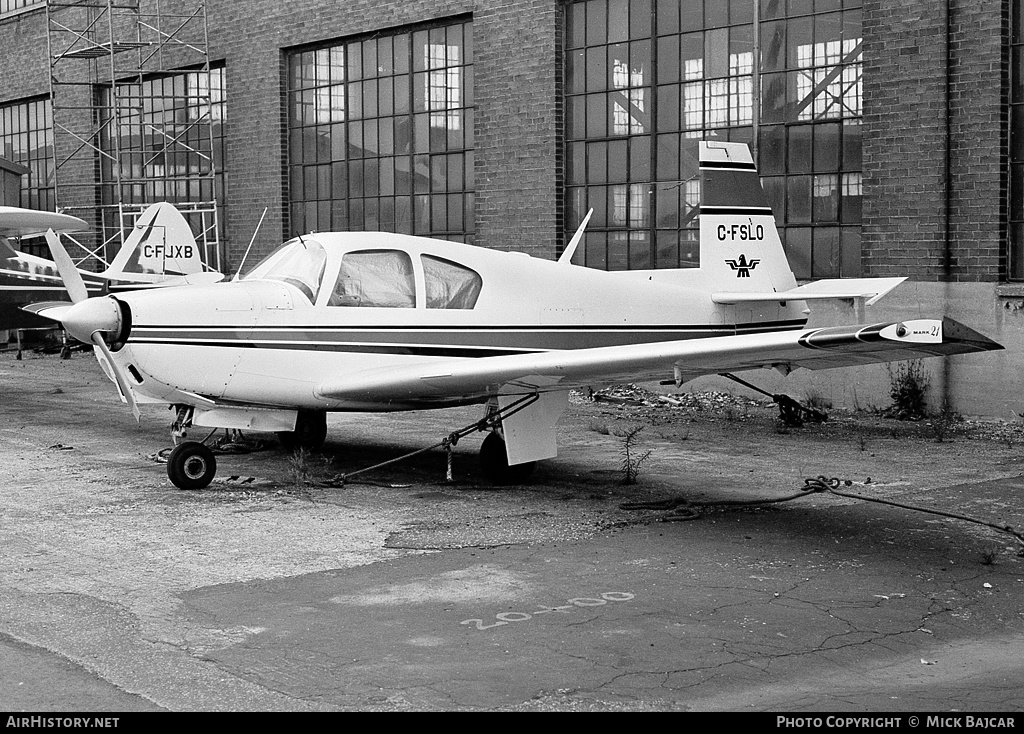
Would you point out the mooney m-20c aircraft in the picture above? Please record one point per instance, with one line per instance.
(159, 249)
(389, 322)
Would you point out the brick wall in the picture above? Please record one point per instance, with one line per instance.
(908, 207)
(912, 199)
(516, 169)
(24, 70)
(518, 112)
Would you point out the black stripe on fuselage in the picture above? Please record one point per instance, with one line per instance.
(503, 328)
(395, 349)
(446, 341)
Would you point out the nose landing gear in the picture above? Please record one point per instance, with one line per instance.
(191, 465)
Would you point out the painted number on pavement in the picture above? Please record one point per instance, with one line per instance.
(581, 601)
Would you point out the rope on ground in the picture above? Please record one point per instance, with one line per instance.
(232, 442)
(791, 411)
(449, 442)
(832, 485)
(681, 509)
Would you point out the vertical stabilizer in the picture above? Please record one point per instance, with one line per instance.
(160, 245)
(740, 248)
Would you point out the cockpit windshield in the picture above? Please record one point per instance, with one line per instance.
(299, 262)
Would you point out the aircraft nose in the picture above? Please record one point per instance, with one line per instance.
(87, 317)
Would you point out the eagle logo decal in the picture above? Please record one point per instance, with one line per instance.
(743, 266)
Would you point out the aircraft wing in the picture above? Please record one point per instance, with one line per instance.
(18, 222)
(451, 380)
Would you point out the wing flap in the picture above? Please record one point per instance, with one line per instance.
(451, 380)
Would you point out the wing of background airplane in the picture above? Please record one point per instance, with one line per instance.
(821, 348)
(18, 222)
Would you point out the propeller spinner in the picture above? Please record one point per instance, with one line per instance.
(89, 319)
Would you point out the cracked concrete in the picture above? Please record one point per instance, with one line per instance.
(120, 593)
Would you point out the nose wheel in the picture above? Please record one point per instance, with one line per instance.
(191, 465)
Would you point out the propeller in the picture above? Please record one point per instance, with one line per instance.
(89, 318)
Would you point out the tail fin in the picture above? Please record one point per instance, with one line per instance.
(740, 247)
(741, 255)
(161, 245)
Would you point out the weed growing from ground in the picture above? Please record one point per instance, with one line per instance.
(908, 387)
(943, 422)
(307, 469)
(601, 428)
(631, 459)
(814, 399)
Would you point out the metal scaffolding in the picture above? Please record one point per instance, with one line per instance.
(136, 110)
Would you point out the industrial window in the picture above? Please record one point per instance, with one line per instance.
(171, 140)
(10, 6)
(375, 279)
(381, 134)
(644, 78)
(1015, 270)
(26, 137)
(809, 141)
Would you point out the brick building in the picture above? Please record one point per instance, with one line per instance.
(889, 136)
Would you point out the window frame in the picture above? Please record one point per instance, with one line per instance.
(363, 150)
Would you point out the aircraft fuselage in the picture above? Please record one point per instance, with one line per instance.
(279, 338)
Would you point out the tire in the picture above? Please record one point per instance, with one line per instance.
(191, 465)
(494, 463)
(310, 431)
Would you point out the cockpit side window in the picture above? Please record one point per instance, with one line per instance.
(376, 279)
(450, 285)
(299, 262)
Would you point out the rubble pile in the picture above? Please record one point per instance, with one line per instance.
(636, 402)
(709, 401)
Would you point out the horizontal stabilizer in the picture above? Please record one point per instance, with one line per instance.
(871, 289)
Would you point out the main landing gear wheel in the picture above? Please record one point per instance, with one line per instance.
(494, 463)
(191, 465)
(310, 431)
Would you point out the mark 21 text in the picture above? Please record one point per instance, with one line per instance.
(580, 601)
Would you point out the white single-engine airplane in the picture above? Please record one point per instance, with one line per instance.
(389, 322)
(160, 249)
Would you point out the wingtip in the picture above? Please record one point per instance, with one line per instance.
(956, 333)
